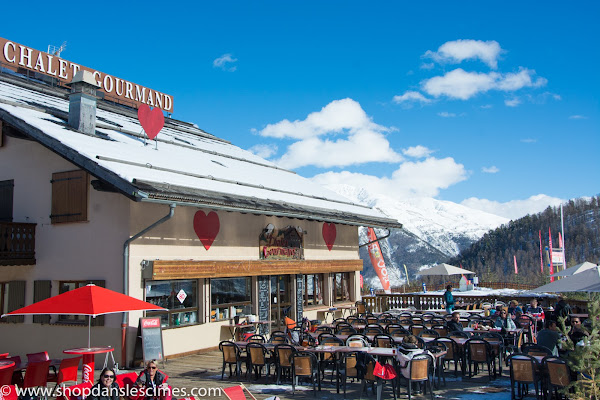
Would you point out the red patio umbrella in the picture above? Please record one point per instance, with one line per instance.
(88, 300)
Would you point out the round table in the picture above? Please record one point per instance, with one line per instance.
(88, 359)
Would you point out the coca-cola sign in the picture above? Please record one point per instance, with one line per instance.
(150, 322)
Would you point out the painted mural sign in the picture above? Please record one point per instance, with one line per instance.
(18, 57)
(282, 244)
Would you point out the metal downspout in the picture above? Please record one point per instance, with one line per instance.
(124, 321)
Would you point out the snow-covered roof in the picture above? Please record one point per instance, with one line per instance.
(185, 165)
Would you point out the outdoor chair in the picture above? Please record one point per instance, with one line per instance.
(256, 338)
(306, 339)
(36, 375)
(524, 370)
(17, 378)
(368, 377)
(453, 352)
(237, 392)
(357, 340)
(559, 375)
(497, 342)
(371, 319)
(304, 365)
(341, 325)
(339, 320)
(67, 372)
(278, 337)
(346, 330)
(418, 369)
(383, 340)
(420, 342)
(361, 308)
(258, 359)
(323, 329)
(328, 359)
(295, 334)
(232, 355)
(373, 329)
(416, 329)
(37, 357)
(441, 329)
(428, 333)
(358, 321)
(282, 360)
(324, 336)
(533, 349)
(392, 326)
(6, 375)
(478, 351)
(459, 334)
(347, 368)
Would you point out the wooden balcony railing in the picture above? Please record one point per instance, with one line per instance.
(17, 243)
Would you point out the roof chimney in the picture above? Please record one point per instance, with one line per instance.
(82, 103)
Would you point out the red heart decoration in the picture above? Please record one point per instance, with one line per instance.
(206, 227)
(329, 234)
(152, 120)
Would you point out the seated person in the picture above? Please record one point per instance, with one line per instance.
(504, 321)
(562, 310)
(107, 387)
(550, 337)
(154, 381)
(513, 308)
(536, 312)
(409, 342)
(496, 311)
(454, 324)
(407, 350)
(577, 332)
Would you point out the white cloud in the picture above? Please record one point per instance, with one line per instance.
(350, 138)
(446, 114)
(224, 62)
(528, 140)
(514, 209)
(577, 117)
(263, 150)
(515, 101)
(411, 179)
(459, 50)
(486, 106)
(490, 170)
(411, 96)
(417, 152)
(463, 85)
(427, 66)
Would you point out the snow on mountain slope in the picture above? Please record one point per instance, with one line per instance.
(444, 225)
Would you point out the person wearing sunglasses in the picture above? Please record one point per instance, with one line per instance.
(154, 382)
(503, 321)
(106, 388)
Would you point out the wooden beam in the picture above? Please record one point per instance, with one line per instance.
(173, 269)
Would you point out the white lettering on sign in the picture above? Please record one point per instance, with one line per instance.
(151, 323)
(64, 70)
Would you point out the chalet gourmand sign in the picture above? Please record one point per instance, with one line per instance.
(283, 244)
(16, 56)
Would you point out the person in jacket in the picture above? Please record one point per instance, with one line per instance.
(154, 383)
(106, 388)
(454, 324)
(449, 299)
(577, 332)
(513, 308)
(504, 321)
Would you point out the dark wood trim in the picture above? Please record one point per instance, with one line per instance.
(174, 269)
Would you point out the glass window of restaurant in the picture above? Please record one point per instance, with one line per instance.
(230, 297)
(179, 297)
(64, 287)
(313, 294)
(341, 285)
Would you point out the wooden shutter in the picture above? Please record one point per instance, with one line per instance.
(41, 291)
(99, 320)
(6, 200)
(69, 196)
(16, 300)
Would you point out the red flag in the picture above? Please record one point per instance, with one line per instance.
(541, 255)
(378, 261)
(551, 266)
(516, 269)
(361, 281)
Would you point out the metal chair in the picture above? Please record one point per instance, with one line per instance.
(282, 359)
(559, 375)
(347, 368)
(428, 333)
(357, 340)
(415, 329)
(524, 370)
(278, 337)
(346, 330)
(533, 349)
(383, 340)
(441, 329)
(419, 370)
(258, 358)
(305, 365)
(453, 352)
(232, 355)
(496, 340)
(478, 351)
(256, 338)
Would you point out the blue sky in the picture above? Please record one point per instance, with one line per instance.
(493, 105)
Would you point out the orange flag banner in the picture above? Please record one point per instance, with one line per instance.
(378, 261)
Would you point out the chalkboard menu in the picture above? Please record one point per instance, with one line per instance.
(264, 302)
(299, 298)
(152, 344)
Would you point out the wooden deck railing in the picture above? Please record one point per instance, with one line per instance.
(17, 243)
(424, 301)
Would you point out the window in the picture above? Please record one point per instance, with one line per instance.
(180, 297)
(341, 284)
(65, 286)
(6, 200)
(12, 297)
(313, 293)
(69, 196)
(230, 297)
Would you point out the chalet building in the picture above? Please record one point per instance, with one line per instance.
(187, 221)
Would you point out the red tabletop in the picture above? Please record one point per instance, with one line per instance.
(6, 364)
(89, 350)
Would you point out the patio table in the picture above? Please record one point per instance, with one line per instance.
(87, 374)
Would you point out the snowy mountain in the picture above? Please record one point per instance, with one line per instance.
(434, 230)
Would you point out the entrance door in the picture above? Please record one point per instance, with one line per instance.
(281, 303)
